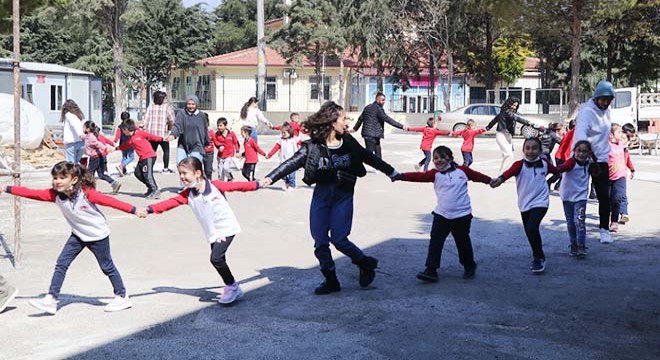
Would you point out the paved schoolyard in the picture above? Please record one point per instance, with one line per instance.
(606, 307)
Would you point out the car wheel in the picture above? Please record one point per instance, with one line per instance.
(529, 132)
(458, 127)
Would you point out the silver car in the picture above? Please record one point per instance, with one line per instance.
(482, 114)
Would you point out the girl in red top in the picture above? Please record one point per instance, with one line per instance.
(74, 193)
(468, 135)
(95, 148)
(228, 147)
(209, 150)
(251, 153)
(429, 134)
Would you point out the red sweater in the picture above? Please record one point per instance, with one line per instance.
(140, 142)
(565, 146)
(428, 135)
(106, 141)
(297, 129)
(251, 149)
(230, 143)
(468, 137)
(209, 148)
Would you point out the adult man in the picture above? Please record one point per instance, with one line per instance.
(593, 124)
(373, 116)
(158, 120)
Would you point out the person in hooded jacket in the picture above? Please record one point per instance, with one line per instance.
(191, 131)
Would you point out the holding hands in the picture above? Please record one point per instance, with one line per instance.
(495, 182)
(265, 182)
(142, 213)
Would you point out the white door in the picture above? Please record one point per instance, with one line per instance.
(624, 107)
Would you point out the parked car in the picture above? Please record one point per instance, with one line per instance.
(482, 114)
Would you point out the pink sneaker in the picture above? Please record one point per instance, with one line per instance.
(230, 294)
(614, 227)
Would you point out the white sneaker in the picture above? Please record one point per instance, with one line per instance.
(230, 294)
(46, 304)
(417, 167)
(605, 237)
(118, 304)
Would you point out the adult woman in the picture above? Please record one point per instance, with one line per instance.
(72, 118)
(252, 116)
(506, 127)
(191, 130)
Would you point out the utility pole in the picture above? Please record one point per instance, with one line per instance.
(16, 173)
(261, 57)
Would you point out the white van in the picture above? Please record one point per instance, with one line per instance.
(635, 108)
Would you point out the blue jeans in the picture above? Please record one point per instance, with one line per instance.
(127, 157)
(330, 221)
(290, 179)
(618, 198)
(426, 160)
(253, 134)
(575, 212)
(467, 158)
(182, 154)
(74, 151)
(100, 249)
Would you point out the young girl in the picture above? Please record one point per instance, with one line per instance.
(287, 146)
(207, 201)
(333, 160)
(453, 212)
(429, 133)
(619, 160)
(73, 192)
(468, 135)
(251, 149)
(72, 120)
(128, 155)
(209, 150)
(533, 195)
(563, 153)
(574, 192)
(95, 149)
(294, 122)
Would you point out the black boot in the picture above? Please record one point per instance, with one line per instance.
(330, 285)
(367, 267)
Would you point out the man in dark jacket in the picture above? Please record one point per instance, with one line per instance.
(373, 116)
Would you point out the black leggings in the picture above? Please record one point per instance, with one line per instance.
(100, 166)
(166, 151)
(602, 185)
(248, 171)
(219, 261)
(460, 230)
(532, 223)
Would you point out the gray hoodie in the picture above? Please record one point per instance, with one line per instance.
(594, 125)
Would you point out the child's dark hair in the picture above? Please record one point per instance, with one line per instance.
(582, 142)
(246, 129)
(222, 121)
(289, 130)
(192, 163)
(444, 152)
(70, 106)
(571, 124)
(292, 115)
(534, 139)
(92, 126)
(319, 124)
(430, 122)
(128, 124)
(125, 116)
(68, 169)
(628, 129)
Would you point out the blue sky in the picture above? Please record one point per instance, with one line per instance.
(211, 4)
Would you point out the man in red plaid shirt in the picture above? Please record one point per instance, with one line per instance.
(158, 120)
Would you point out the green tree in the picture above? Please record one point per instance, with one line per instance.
(510, 55)
(236, 24)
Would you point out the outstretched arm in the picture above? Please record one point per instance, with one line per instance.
(96, 197)
(171, 203)
(225, 186)
(428, 176)
(41, 194)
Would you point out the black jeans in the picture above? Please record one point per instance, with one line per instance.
(166, 151)
(101, 251)
(99, 165)
(467, 158)
(248, 171)
(208, 164)
(532, 222)
(144, 171)
(219, 261)
(602, 186)
(373, 146)
(460, 230)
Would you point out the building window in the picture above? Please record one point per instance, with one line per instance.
(56, 99)
(477, 94)
(315, 86)
(176, 88)
(96, 99)
(203, 91)
(271, 88)
(26, 93)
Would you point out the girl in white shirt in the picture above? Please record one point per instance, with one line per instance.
(252, 116)
(287, 146)
(207, 201)
(72, 119)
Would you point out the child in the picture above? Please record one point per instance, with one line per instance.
(294, 122)
(619, 159)
(251, 149)
(563, 153)
(333, 160)
(453, 212)
(207, 201)
(209, 150)
(533, 195)
(574, 192)
(74, 193)
(228, 147)
(632, 139)
(128, 155)
(139, 140)
(287, 146)
(429, 134)
(96, 151)
(468, 135)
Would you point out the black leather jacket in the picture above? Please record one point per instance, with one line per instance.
(373, 118)
(506, 120)
(311, 155)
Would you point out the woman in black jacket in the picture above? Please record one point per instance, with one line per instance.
(333, 160)
(506, 128)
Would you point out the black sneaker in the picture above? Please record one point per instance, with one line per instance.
(582, 252)
(469, 274)
(153, 195)
(166, 171)
(572, 249)
(330, 285)
(537, 266)
(367, 267)
(428, 275)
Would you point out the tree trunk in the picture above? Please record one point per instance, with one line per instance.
(490, 71)
(450, 79)
(576, 32)
(379, 76)
(610, 58)
(342, 81)
(432, 74)
(120, 86)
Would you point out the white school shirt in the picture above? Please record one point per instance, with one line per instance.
(575, 181)
(531, 184)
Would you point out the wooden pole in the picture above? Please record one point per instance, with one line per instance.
(17, 130)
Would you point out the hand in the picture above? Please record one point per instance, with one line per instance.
(632, 176)
(495, 182)
(396, 177)
(265, 182)
(351, 131)
(267, 157)
(168, 138)
(2, 189)
(405, 128)
(142, 213)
